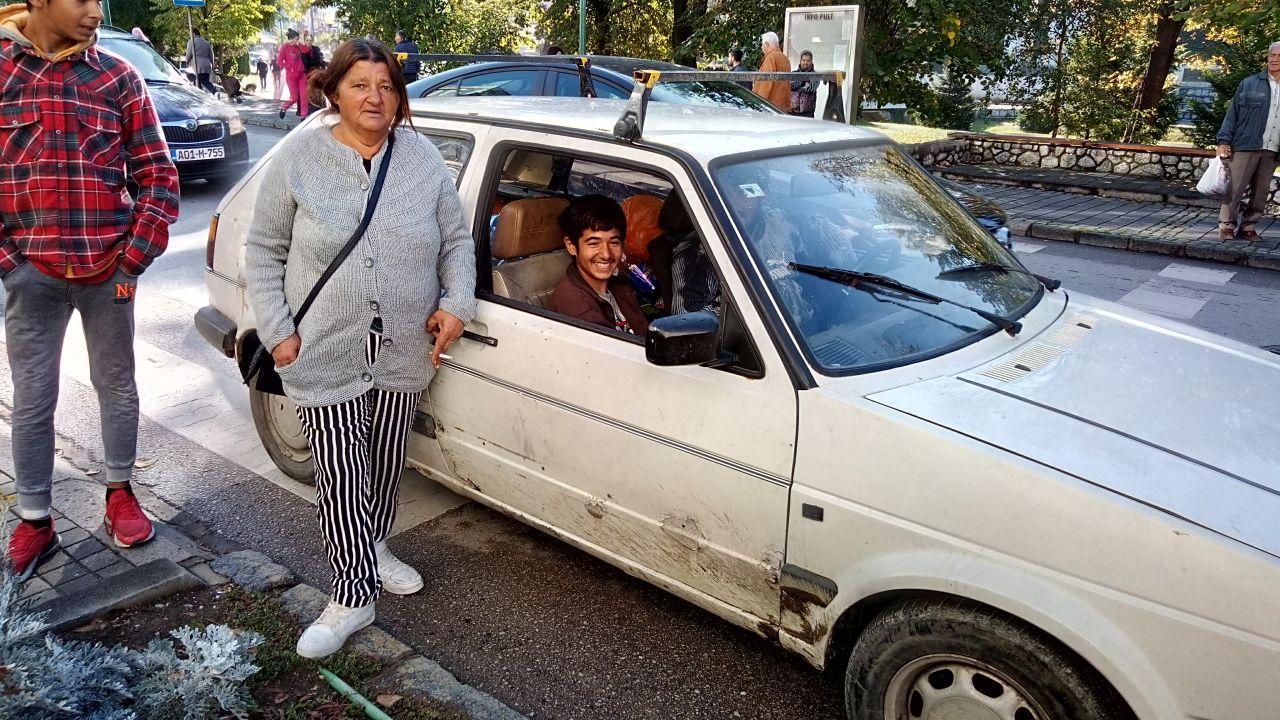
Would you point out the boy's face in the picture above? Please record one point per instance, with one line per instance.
(597, 253)
(74, 20)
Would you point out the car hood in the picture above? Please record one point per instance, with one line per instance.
(178, 101)
(1172, 417)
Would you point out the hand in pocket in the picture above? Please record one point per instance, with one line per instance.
(287, 352)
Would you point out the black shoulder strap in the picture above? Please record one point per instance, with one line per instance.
(355, 237)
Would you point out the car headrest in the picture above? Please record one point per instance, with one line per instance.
(812, 184)
(642, 224)
(528, 227)
(674, 219)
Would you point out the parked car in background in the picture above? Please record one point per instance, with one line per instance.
(206, 136)
(890, 449)
(610, 75)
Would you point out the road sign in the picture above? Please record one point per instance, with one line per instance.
(189, 3)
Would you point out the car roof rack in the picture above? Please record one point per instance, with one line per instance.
(586, 88)
(630, 125)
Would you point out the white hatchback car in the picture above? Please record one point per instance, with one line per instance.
(886, 445)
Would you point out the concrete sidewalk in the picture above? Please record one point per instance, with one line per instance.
(1154, 227)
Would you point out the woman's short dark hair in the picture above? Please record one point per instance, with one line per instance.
(592, 212)
(291, 34)
(345, 58)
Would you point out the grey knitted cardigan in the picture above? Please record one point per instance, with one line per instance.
(416, 248)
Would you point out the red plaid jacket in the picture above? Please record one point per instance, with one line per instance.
(71, 132)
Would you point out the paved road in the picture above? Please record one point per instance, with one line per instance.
(544, 627)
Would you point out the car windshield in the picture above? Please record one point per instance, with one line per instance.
(144, 58)
(711, 94)
(871, 210)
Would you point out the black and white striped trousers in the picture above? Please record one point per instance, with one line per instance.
(359, 451)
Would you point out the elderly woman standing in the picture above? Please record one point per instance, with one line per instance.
(361, 357)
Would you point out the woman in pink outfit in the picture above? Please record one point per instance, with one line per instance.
(295, 74)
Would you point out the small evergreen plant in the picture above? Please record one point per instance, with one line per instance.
(43, 677)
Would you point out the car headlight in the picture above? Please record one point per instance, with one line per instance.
(235, 125)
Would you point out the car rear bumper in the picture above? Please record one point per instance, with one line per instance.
(217, 329)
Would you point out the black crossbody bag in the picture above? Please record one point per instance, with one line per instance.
(261, 370)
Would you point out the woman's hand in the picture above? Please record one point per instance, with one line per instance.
(447, 328)
(287, 352)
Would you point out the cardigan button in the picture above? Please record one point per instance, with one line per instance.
(366, 377)
(364, 186)
(368, 262)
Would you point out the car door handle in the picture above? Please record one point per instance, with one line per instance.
(477, 337)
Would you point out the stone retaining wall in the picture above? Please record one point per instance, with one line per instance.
(1177, 165)
(1171, 164)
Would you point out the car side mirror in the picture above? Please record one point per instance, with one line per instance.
(687, 339)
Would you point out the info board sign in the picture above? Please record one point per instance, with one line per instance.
(834, 36)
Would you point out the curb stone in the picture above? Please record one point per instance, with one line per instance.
(1210, 250)
(252, 570)
(408, 672)
(152, 581)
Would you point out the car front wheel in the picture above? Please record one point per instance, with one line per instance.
(276, 419)
(946, 660)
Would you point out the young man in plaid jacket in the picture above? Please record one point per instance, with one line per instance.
(75, 124)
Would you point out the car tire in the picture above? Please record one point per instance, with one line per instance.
(942, 659)
(276, 420)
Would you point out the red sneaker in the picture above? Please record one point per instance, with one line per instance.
(30, 546)
(125, 521)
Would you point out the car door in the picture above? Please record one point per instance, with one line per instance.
(677, 474)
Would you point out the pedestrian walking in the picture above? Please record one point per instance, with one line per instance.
(275, 75)
(804, 93)
(411, 68)
(200, 59)
(735, 65)
(72, 239)
(777, 92)
(1250, 140)
(295, 74)
(357, 361)
(262, 73)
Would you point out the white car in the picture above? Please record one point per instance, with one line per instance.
(888, 448)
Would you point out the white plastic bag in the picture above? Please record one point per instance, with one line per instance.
(1214, 181)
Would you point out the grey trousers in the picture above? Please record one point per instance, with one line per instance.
(37, 309)
(1247, 170)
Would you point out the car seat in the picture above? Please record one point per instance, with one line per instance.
(675, 223)
(530, 247)
(642, 213)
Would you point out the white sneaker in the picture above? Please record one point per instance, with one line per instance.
(397, 577)
(330, 631)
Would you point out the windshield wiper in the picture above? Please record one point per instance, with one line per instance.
(855, 279)
(1049, 283)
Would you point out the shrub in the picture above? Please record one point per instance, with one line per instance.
(952, 106)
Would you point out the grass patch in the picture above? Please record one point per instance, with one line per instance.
(908, 134)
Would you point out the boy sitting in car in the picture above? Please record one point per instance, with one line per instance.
(594, 228)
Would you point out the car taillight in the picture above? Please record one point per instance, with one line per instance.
(212, 242)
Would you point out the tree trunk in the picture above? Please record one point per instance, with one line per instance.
(598, 14)
(687, 14)
(1168, 29)
(1059, 58)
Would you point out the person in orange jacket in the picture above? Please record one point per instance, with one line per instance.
(777, 92)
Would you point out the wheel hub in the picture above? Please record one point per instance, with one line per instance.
(951, 687)
(287, 427)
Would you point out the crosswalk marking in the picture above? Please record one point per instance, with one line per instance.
(1192, 273)
(1160, 303)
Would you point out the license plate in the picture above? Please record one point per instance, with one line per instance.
(205, 153)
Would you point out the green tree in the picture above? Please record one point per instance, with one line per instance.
(951, 106)
(633, 28)
(903, 41)
(230, 26)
